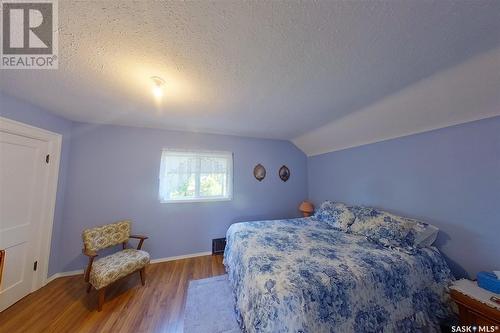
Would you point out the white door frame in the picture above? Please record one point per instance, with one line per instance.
(54, 141)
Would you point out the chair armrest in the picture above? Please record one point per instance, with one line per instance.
(138, 237)
(89, 253)
(141, 240)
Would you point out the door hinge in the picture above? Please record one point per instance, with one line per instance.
(35, 265)
(47, 158)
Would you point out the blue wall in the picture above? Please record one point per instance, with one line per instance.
(113, 174)
(29, 114)
(449, 177)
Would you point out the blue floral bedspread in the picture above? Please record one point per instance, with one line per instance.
(301, 275)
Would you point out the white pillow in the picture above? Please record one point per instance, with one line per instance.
(425, 233)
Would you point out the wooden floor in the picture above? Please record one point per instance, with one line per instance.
(64, 306)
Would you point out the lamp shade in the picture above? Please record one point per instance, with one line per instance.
(306, 208)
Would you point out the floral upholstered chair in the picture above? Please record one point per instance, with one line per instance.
(102, 272)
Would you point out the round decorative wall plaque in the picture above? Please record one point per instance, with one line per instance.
(284, 173)
(259, 172)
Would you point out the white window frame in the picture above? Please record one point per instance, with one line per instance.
(198, 198)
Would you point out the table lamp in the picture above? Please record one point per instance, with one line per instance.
(307, 208)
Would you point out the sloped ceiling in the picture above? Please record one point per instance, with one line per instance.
(467, 92)
(274, 69)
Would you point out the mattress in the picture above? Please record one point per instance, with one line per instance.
(301, 275)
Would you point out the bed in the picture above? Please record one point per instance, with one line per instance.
(303, 275)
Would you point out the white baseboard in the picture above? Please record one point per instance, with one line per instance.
(63, 274)
(154, 261)
(184, 256)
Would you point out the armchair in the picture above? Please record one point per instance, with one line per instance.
(106, 270)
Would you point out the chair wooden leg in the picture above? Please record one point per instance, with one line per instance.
(142, 272)
(100, 295)
(89, 287)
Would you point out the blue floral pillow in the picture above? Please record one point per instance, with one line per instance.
(336, 214)
(383, 227)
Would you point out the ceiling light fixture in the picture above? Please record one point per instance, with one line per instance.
(158, 83)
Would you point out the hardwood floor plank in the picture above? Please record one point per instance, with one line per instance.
(64, 306)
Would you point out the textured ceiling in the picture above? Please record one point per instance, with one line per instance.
(265, 69)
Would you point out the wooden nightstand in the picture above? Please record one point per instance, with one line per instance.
(474, 305)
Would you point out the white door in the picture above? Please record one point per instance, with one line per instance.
(23, 183)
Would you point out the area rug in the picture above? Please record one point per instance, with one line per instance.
(210, 307)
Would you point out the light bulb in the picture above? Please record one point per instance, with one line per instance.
(158, 83)
(157, 91)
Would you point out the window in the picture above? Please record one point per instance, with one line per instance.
(195, 176)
